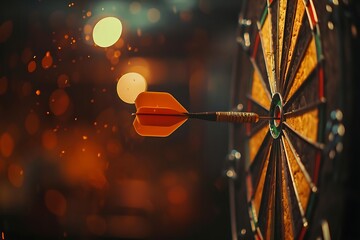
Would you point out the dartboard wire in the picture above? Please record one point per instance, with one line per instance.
(256, 68)
(310, 11)
(266, 196)
(272, 210)
(253, 130)
(279, 204)
(290, 18)
(289, 75)
(274, 12)
(268, 145)
(249, 97)
(302, 212)
(314, 26)
(252, 185)
(280, 37)
(290, 79)
(312, 185)
(284, 192)
(316, 145)
(270, 54)
(301, 88)
(257, 128)
(305, 109)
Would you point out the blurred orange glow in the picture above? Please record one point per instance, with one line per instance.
(32, 123)
(2, 165)
(63, 81)
(107, 31)
(114, 60)
(49, 139)
(120, 43)
(16, 175)
(180, 213)
(141, 66)
(177, 195)
(3, 85)
(87, 29)
(47, 60)
(117, 53)
(96, 224)
(110, 53)
(114, 147)
(55, 202)
(59, 102)
(169, 179)
(38, 92)
(186, 16)
(88, 13)
(133, 194)
(31, 66)
(138, 32)
(128, 226)
(6, 29)
(6, 144)
(81, 164)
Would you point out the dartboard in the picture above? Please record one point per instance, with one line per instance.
(290, 67)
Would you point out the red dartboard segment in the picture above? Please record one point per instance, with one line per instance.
(311, 13)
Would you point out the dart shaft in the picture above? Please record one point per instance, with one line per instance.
(237, 117)
(233, 117)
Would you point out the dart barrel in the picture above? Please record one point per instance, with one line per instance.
(237, 117)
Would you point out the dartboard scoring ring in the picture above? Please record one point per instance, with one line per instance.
(276, 112)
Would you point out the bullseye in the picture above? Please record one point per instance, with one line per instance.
(277, 116)
(276, 112)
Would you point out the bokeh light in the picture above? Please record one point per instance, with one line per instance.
(130, 85)
(107, 31)
(59, 102)
(6, 144)
(6, 29)
(153, 15)
(55, 202)
(16, 175)
(47, 60)
(135, 7)
(31, 66)
(49, 139)
(63, 81)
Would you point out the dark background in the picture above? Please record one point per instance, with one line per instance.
(71, 164)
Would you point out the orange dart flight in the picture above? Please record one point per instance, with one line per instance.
(159, 114)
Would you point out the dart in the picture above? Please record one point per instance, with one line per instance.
(159, 114)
